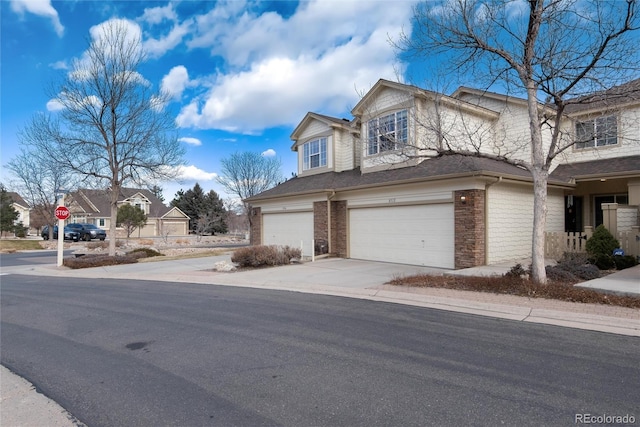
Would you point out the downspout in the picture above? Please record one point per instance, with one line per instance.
(329, 197)
(486, 218)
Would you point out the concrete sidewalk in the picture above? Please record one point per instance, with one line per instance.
(22, 405)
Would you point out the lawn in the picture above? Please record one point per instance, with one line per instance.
(13, 245)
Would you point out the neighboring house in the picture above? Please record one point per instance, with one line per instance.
(22, 207)
(93, 206)
(365, 189)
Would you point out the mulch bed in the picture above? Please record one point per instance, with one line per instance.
(519, 287)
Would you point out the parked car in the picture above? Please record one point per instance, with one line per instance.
(88, 231)
(69, 233)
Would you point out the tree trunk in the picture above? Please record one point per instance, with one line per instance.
(540, 174)
(538, 272)
(115, 191)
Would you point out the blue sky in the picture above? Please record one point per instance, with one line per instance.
(242, 74)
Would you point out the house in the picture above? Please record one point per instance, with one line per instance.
(368, 189)
(22, 207)
(93, 206)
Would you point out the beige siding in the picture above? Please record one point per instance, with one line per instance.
(627, 217)
(555, 210)
(510, 222)
(628, 143)
(512, 135)
(290, 204)
(343, 151)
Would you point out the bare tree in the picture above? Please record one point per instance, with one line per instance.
(110, 127)
(247, 174)
(39, 180)
(551, 52)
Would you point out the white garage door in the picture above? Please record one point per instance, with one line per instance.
(419, 235)
(292, 229)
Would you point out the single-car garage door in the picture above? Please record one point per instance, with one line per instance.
(292, 229)
(419, 235)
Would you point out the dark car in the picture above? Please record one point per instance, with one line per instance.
(69, 233)
(88, 231)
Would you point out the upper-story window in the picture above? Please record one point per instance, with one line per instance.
(597, 132)
(314, 154)
(387, 133)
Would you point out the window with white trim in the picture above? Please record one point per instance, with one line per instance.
(387, 133)
(597, 132)
(314, 154)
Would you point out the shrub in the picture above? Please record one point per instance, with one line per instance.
(144, 253)
(88, 261)
(578, 264)
(625, 261)
(602, 242)
(261, 256)
(558, 274)
(603, 261)
(516, 271)
(587, 272)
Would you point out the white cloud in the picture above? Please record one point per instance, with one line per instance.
(59, 65)
(54, 105)
(175, 82)
(158, 47)
(277, 69)
(193, 173)
(155, 15)
(40, 8)
(191, 141)
(269, 153)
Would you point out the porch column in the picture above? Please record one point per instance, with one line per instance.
(610, 217)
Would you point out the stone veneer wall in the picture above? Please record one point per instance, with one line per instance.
(338, 244)
(255, 237)
(469, 228)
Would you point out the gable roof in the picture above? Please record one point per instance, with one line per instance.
(98, 202)
(417, 92)
(18, 200)
(438, 168)
(615, 97)
(333, 122)
(598, 169)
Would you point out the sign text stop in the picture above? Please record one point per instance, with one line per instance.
(62, 212)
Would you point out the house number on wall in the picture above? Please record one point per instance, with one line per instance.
(392, 200)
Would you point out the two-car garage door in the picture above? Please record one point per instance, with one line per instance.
(416, 234)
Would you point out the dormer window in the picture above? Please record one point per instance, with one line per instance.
(387, 133)
(314, 154)
(597, 132)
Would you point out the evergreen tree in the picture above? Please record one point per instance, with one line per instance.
(206, 211)
(131, 217)
(8, 215)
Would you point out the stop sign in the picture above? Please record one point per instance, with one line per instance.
(62, 212)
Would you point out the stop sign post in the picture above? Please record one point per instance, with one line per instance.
(62, 213)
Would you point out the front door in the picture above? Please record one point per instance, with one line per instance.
(573, 214)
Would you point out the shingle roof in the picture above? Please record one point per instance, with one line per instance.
(438, 168)
(601, 168)
(618, 95)
(101, 200)
(18, 199)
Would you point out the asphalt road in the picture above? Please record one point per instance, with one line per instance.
(117, 353)
(31, 258)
